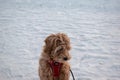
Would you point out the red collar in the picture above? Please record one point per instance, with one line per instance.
(56, 67)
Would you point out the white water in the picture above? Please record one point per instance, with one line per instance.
(94, 32)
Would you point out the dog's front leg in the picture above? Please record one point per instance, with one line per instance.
(65, 72)
(45, 72)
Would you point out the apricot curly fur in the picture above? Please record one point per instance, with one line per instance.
(57, 46)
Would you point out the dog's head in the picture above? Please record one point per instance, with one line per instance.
(57, 46)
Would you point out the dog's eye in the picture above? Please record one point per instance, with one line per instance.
(59, 57)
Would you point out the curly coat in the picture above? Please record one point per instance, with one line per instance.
(57, 47)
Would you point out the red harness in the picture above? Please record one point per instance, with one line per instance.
(56, 67)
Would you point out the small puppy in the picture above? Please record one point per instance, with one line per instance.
(53, 63)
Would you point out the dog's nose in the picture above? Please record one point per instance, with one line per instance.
(65, 58)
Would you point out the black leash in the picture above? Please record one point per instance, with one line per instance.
(72, 74)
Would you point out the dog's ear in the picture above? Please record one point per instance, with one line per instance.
(49, 39)
(49, 42)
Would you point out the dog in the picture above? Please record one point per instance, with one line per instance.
(53, 62)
